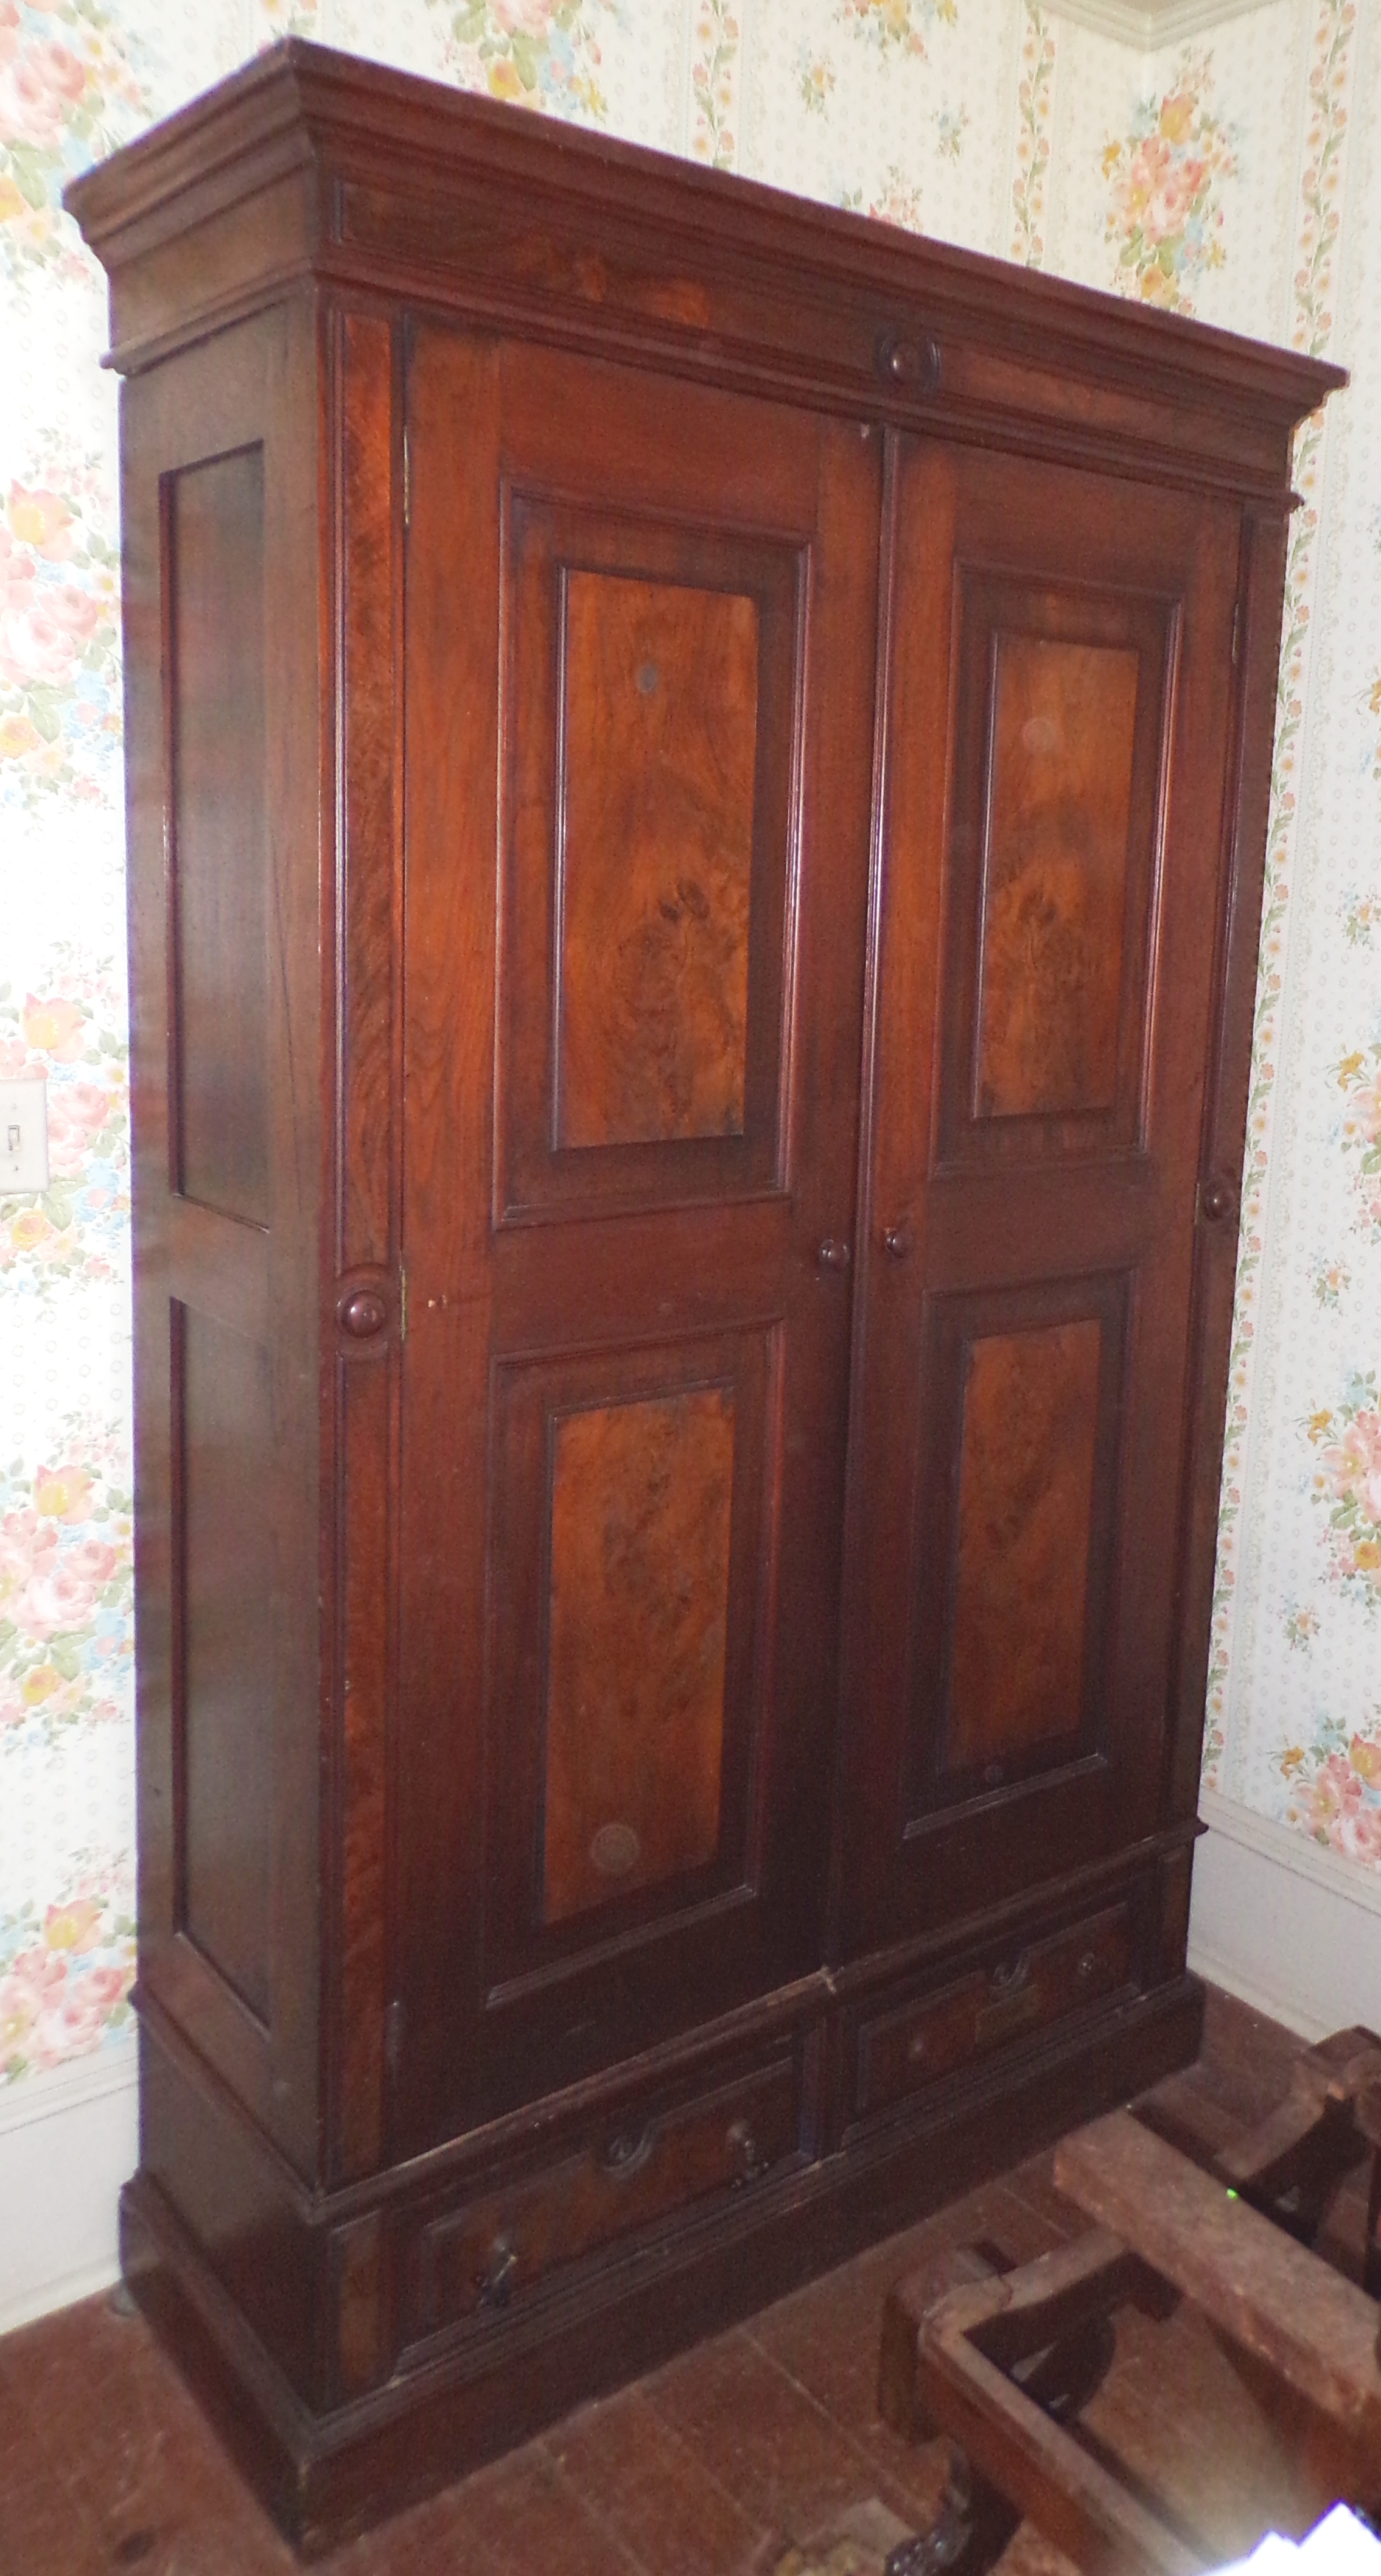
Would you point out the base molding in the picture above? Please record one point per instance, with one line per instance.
(69, 2138)
(1285, 1925)
(327, 2476)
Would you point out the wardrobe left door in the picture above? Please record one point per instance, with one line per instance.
(638, 661)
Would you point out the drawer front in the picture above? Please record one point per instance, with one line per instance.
(902, 2051)
(635, 2171)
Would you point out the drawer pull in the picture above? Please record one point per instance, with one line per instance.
(1089, 1967)
(495, 2282)
(627, 2154)
(1014, 2003)
(745, 2155)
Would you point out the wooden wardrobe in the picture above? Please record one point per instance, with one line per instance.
(698, 775)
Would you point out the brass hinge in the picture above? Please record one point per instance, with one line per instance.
(407, 482)
(402, 1305)
(1236, 631)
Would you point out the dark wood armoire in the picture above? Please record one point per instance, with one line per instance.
(697, 798)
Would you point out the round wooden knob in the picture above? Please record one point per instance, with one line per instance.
(1217, 1199)
(832, 1255)
(363, 1313)
(899, 1240)
(913, 363)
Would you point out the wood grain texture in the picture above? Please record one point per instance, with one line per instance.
(225, 1585)
(1031, 1220)
(626, 2178)
(366, 608)
(602, 243)
(599, 1277)
(1027, 1449)
(659, 753)
(1054, 876)
(655, 669)
(640, 1525)
(244, 392)
(367, 1138)
(1268, 2295)
(215, 592)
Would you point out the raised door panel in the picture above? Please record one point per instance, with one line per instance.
(634, 972)
(219, 506)
(1057, 732)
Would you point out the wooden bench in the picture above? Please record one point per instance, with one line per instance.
(1006, 2363)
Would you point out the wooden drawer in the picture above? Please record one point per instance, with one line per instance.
(899, 2052)
(629, 2175)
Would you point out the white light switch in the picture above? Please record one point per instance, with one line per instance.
(24, 1134)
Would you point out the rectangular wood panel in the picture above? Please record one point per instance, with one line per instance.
(223, 1420)
(653, 696)
(1026, 1469)
(641, 1508)
(1055, 876)
(215, 642)
(1053, 839)
(659, 751)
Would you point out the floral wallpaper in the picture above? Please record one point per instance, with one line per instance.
(1238, 178)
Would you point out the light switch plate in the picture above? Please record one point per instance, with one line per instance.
(24, 1135)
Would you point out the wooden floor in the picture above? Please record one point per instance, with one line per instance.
(758, 2452)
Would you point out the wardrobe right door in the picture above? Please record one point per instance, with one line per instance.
(1059, 695)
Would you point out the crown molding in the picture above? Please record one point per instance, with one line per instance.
(1147, 29)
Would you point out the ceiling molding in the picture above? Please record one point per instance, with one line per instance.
(1155, 23)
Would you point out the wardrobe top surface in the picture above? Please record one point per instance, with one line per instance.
(310, 163)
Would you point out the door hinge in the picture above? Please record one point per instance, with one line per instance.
(407, 480)
(393, 2036)
(1236, 631)
(402, 1305)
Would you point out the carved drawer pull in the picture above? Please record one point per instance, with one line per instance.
(1014, 2004)
(899, 1241)
(833, 1255)
(495, 2282)
(627, 2152)
(747, 2157)
(1090, 1966)
(1217, 1199)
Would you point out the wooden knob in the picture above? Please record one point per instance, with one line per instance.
(913, 363)
(832, 1255)
(899, 1240)
(363, 1313)
(1216, 1199)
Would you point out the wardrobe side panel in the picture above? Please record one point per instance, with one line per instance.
(220, 502)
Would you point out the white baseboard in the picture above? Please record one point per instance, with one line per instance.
(68, 2140)
(1283, 1924)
